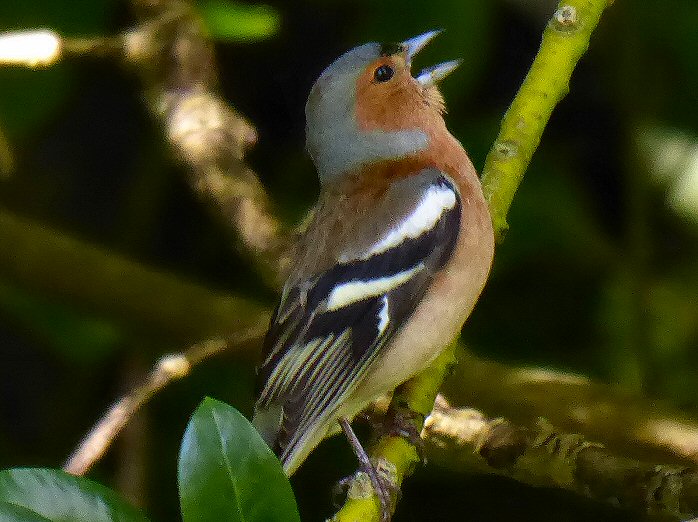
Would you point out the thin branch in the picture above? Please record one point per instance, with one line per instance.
(463, 439)
(564, 42)
(45, 47)
(175, 59)
(39, 48)
(168, 368)
(171, 52)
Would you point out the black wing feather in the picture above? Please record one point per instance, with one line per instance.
(354, 328)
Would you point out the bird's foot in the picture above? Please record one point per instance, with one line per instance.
(405, 423)
(340, 491)
(378, 481)
(381, 476)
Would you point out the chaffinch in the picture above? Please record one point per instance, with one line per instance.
(395, 255)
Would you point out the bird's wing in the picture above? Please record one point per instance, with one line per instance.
(331, 324)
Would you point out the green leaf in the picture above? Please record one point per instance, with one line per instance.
(227, 472)
(230, 21)
(48, 494)
(14, 513)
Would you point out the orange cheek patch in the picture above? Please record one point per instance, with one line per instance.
(390, 106)
(376, 102)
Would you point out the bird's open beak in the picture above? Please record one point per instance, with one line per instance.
(416, 44)
(430, 75)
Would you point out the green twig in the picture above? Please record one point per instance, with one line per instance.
(564, 42)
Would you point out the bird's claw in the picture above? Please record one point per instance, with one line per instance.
(371, 480)
(403, 422)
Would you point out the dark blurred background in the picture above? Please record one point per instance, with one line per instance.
(598, 274)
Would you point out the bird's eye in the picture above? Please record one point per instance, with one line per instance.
(383, 73)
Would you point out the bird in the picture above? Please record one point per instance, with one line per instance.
(392, 258)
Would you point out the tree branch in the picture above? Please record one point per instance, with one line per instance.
(175, 59)
(168, 368)
(564, 42)
(628, 424)
(141, 297)
(463, 439)
(170, 51)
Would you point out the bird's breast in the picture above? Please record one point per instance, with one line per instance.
(441, 313)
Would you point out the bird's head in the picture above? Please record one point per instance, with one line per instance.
(367, 106)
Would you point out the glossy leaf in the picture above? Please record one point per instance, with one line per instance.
(227, 472)
(33, 495)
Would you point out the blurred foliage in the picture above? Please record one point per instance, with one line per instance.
(77, 337)
(598, 273)
(235, 22)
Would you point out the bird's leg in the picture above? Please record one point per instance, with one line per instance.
(382, 489)
(341, 490)
(404, 422)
